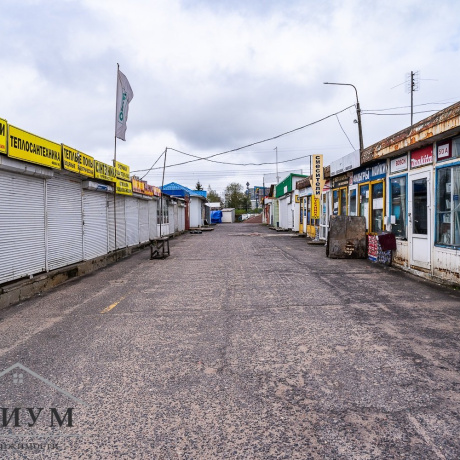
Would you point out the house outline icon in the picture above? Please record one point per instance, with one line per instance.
(42, 379)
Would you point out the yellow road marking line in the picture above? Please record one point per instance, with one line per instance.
(107, 309)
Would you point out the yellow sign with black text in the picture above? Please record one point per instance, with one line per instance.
(33, 149)
(104, 171)
(315, 207)
(122, 171)
(318, 179)
(124, 187)
(77, 162)
(2, 136)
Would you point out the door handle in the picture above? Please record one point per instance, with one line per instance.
(409, 215)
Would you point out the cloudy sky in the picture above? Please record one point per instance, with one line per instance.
(214, 75)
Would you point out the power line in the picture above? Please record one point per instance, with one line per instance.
(340, 124)
(408, 106)
(151, 167)
(237, 164)
(254, 143)
(408, 113)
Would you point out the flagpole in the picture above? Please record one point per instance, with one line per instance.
(116, 102)
(114, 164)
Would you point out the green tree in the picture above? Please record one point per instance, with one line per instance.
(234, 195)
(246, 202)
(198, 186)
(213, 196)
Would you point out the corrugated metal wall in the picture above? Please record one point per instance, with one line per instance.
(111, 221)
(121, 221)
(153, 206)
(22, 226)
(95, 229)
(46, 224)
(172, 216)
(143, 221)
(64, 221)
(132, 221)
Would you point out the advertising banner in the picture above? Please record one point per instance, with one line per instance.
(376, 172)
(124, 187)
(148, 189)
(315, 207)
(2, 136)
(104, 171)
(318, 180)
(398, 164)
(138, 185)
(122, 171)
(77, 162)
(33, 149)
(421, 157)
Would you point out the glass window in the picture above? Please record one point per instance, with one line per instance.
(352, 202)
(377, 207)
(398, 205)
(364, 203)
(448, 206)
(301, 212)
(456, 147)
(420, 206)
(343, 201)
(308, 210)
(335, 202)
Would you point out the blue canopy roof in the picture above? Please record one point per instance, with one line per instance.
(175, 189)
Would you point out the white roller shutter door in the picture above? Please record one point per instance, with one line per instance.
(22, 226)
(132, 221)
(64, 221)
(176, 217)
(153, 206)
(111, 221)
(95, 229)
(121, 221)
(171, 218)
(143, 221)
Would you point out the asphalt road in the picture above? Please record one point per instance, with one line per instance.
(244, 344)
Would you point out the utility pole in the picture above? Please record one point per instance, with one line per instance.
(412, 84)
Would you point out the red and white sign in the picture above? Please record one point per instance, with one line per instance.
(398, 164)
(444, 151)
(421, 157)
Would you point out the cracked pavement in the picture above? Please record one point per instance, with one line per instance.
(244, 344)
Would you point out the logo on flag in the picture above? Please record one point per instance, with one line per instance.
(124, 97)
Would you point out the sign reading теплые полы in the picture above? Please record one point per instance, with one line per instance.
(77, 162)
(33, 149)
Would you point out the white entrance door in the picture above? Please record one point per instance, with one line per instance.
(419, 228)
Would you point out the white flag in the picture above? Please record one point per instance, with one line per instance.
(124, 96)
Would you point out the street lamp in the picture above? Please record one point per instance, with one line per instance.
(358, 112)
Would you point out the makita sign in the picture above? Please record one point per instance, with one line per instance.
(421, 157)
